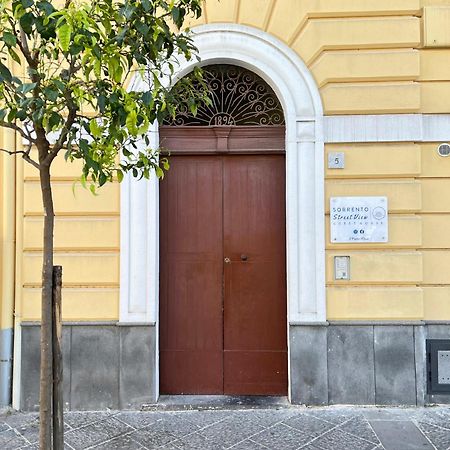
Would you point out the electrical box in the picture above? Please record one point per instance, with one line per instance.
(342, 267)
(438, 366)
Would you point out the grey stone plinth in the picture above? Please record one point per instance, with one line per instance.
(137, 366)
(395, 379)
(95, 364)
(308, 366)
(105, 366)
(351, 377)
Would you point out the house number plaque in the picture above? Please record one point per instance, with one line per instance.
(359, 219)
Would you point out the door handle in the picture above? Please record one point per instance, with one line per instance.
(227, 260)
(244, 257)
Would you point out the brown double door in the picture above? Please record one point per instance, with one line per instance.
(223, 275)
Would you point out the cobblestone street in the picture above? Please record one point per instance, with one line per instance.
(336, 428)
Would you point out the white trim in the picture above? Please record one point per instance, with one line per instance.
(387, 128)
(139, 247)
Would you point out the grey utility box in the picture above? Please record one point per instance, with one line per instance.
(438, 366)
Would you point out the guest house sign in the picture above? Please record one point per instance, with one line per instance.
(359, 219)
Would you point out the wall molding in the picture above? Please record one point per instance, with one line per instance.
(387, 128)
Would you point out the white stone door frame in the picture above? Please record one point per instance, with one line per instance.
(289, 77)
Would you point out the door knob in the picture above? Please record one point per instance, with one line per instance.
(244, 257)
(227, 260)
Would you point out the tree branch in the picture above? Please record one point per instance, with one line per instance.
(65, 130)
(25, 155)
(14, 127)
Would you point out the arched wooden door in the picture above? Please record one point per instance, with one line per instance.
(223, 319)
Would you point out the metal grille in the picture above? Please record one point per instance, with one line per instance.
(238, 97)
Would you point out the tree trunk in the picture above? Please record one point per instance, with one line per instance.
(46, 381)
(58, 401)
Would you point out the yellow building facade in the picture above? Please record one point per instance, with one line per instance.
(366, 79)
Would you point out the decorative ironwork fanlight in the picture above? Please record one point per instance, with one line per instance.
(238, 97)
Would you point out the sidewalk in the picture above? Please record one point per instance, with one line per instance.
(275, 427)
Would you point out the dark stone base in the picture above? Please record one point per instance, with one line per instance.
(114, 367)
(362, 364)
(105, 366)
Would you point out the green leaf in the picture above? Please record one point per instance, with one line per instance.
(101, 103)
(51, 94)
(46, 7)
(95, 129)
(119, 176)
(54, 120)
(14, 56)
(64, 32)
(26, 87)
(176, 15)
(131, 123)
(27, 3)
(9, 39)
(102, 179)
(5, 73)
(26, 22)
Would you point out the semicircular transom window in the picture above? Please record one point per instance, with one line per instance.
(238, 97)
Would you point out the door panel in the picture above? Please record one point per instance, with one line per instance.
(191, 320)
(255, 334)
(223, 325)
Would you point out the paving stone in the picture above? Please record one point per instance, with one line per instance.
(138, 419)
(311, 446)
(122, 442)
(281, 436)
(230, 431)
(10, 439)
(400, 435)
(196, 441)
(336, 428)
(360, 427)
(335, 416)
(388, 413)
(248, 444)
(339, 440)
(436, 418)
(265, 417)
(204, 418)
(170, 446)
(309, 425)
(21, 419)
(81, 419)
(177, 426)
(27, 427)
(154, 435)
(96, 433)
(36, 447)
(439, 437)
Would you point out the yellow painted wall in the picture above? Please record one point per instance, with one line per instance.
(87, 242)
(367, 57)
(405, 278)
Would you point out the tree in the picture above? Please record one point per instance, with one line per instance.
(77, 59)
